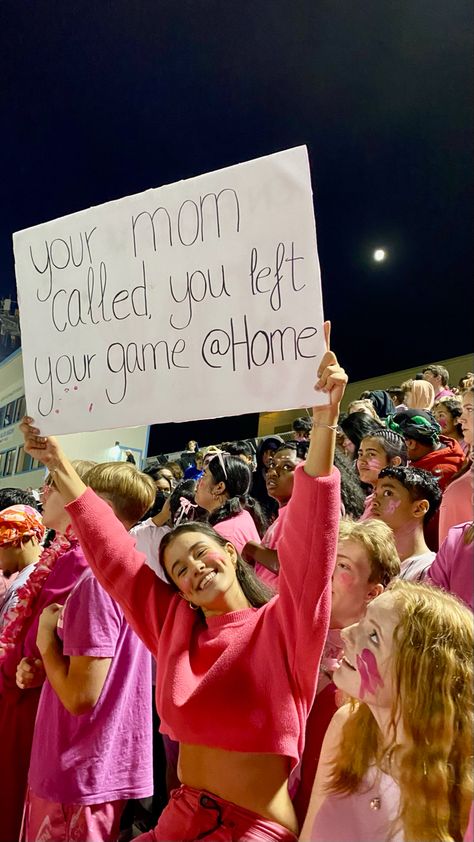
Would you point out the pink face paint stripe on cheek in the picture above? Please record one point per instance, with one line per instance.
(370, 678)
(364, 677)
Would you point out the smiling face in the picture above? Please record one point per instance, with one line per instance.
(202, 570)
(279, 477)
(366, 670)
(371, 459)
(351, 589)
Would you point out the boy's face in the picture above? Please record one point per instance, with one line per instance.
(393, 504)
(434, 379)
(351, 589)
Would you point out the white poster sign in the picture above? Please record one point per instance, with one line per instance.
(194, 300)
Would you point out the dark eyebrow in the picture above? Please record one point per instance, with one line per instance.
(192, 547)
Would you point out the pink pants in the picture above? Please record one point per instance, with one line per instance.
(48, 821)
(192, 814)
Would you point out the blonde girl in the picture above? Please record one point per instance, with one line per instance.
(397, 763)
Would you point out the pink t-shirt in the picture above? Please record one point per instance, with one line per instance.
(238, 530)
(270, 541)
(453, 568)
(456, 505)
(105, 754)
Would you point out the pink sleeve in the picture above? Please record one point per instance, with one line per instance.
(368, 508)
(120, 568)
(92, 621)
(307, 553)
(439, 572)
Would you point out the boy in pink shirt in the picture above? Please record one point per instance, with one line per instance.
(94, 714)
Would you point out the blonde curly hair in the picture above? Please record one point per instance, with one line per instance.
(433, 672)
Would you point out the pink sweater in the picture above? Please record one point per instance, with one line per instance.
(242, 681)
(238, 530)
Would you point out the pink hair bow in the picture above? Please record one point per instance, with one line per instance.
(185, 508)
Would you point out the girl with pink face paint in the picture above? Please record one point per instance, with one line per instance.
(381, 449)
(409, 665)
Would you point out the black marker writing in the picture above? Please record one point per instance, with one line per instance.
(209, 216)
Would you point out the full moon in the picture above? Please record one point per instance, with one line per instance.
(379, 255)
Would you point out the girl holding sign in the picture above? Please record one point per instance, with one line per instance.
(235, 677)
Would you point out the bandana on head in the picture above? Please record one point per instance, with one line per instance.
(18, 523)
(413, 424)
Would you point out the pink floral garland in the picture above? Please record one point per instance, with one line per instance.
(16, 616)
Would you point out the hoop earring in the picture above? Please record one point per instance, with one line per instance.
(193, 607)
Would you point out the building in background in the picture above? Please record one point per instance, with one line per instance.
(20, 470)
(9, 327)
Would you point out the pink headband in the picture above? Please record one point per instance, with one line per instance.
(220, 456)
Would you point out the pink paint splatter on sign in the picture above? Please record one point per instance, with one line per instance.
(370, 678)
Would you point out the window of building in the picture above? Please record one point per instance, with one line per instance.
(13, 412)
(7, 462)
(19, 410)
(24, 462)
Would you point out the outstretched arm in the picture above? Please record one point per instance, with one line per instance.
(308, 542)
(105, 542)
(332, 380)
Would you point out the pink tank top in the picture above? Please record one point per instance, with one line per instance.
(363, 815)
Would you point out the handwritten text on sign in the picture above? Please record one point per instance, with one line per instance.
(194, 300)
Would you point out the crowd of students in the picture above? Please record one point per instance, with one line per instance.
(247, 645)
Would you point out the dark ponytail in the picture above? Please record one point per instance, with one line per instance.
(236, 479)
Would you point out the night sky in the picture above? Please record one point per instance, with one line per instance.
(100, 100)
